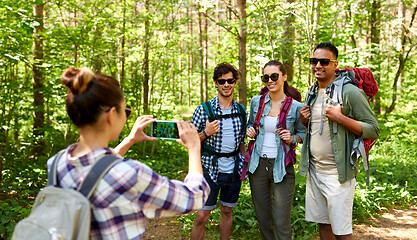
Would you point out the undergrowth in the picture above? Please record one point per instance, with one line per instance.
(393, 183)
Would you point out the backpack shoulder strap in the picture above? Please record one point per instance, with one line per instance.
(241, 109)
(52, 176)
(260, 110)
(209, 110)
(311, 93)
(282, 122)
(335, 90)
(358, 151)
(99, 169)
(242, 116)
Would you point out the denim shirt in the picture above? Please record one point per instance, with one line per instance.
(293, 124)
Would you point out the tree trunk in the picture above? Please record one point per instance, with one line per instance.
(287, 48)
(242, 51)
(200, 27)
(123, 72)
(206, 59)
(218, 28)
(190, 56)
(38, 78)
(403, 55)
(375, 49)
(180, 70)
(146, 64)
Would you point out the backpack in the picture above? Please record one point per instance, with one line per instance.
(63, 213)
(363, 79)
(207, 150)
(282, 123)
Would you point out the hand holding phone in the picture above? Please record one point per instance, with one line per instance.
(165, 130)
(188, 136)
(191, 141)
(137, 133)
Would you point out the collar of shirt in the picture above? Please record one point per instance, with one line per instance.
(216, 104)
(89, 158)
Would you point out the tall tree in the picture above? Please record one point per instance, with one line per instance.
(241, 5)
(38, 78)
(375, 49)
(146, 60)
(123, 51)
(206, 55)
(201, 54)
(190, 55)
(403, 55)
(287, 48)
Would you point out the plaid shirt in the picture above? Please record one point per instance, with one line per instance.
(199, 120)
(130, 193)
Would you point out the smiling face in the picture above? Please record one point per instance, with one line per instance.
(275, 86)
(226, 89)
(324, 74)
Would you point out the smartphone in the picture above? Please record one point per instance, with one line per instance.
(165, 130)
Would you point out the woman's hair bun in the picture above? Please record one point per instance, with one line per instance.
(77, 80)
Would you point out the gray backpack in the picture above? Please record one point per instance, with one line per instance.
(63, 213)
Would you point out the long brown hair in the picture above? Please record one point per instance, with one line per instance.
(288, 90)
(89, 95)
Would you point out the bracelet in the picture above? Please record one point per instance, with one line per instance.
(295, 139)
(205, 134)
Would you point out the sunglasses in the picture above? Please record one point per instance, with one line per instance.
(324, 62)
(221, 81)
(274, 77)
(128, 111)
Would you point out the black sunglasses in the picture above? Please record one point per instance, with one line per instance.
(128, 111)
(324, 62)
(221, 81)
(274, 77)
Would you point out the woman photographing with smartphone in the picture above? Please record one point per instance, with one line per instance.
(271, 171)
(130, 192)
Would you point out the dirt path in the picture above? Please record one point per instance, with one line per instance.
(395, 224)
(398, 224)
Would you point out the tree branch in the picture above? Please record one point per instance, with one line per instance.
(230, 7)
(230, 30)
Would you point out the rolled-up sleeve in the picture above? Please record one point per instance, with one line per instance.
(253, 104)
(299, 127)
(163, 197)
(362, 112)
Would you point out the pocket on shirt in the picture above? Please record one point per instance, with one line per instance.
(290, 123)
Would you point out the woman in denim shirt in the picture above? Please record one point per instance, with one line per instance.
(272, 180)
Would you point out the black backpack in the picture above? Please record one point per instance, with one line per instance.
(207, 150)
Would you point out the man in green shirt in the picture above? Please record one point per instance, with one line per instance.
(326, 153)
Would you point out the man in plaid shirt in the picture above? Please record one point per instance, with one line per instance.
(223, 150)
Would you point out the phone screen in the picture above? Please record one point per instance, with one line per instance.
(165, 130)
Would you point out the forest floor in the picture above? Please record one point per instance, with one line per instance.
(395, 224)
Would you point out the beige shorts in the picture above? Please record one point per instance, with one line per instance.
(329, 202)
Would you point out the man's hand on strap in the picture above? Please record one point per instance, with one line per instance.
(211, 128)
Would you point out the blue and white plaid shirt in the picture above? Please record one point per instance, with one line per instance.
(200, 118)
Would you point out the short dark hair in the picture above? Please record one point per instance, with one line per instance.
(329, 46)
(224, 68)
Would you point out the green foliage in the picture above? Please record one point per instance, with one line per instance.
(10, 212)
(393, 167)
(112, 39)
